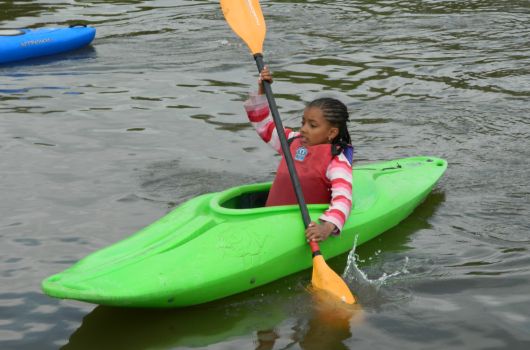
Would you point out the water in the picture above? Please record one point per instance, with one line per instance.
(98, 143)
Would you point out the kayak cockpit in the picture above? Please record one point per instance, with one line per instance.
(247, 200)
(250, 199)
(11, 32)
(241, 198)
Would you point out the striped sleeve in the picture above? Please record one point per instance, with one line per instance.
(339, 173)
(259, 115)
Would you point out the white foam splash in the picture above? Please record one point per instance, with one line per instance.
(363, 287)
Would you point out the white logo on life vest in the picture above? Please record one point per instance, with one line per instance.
(301, 153)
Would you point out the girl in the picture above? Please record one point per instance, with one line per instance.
(322, 155)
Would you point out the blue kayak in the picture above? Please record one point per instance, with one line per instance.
(22, 44)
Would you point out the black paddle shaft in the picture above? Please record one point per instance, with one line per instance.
(283, 142)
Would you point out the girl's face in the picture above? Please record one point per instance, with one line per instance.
(316, 130)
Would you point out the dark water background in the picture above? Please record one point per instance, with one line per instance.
(98, 143)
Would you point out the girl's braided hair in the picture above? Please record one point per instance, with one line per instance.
(336, 113)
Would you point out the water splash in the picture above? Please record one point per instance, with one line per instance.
(369, 291)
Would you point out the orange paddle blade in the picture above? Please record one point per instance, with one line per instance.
(246, 20)
(326, 279)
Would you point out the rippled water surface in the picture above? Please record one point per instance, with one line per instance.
(97, 143)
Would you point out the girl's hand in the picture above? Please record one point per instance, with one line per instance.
(319, 232)
(264, 75)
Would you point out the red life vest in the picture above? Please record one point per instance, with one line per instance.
(311, 163)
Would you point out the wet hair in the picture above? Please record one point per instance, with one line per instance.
(336, 113)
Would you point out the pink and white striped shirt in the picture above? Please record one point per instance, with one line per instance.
(339, 171)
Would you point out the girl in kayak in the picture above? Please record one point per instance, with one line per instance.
(322, 155)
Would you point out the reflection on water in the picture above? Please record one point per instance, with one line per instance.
(189, 327)
(331, 322)
(321, 324)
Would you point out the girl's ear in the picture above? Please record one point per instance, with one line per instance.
(333, 132)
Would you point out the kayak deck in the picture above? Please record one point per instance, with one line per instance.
(223, 243)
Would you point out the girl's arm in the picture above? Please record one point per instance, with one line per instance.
(258, 113)
(259, 116)
(339, 172)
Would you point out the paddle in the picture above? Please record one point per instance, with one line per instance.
(246, 20)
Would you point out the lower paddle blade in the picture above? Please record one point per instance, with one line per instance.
(326, 279)
(246, 20)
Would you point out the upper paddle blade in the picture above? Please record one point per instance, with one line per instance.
(326, 279)
(246, 20)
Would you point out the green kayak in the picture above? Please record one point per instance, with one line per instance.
(223, 243)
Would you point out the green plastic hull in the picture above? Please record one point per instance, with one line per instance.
(208, 248)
